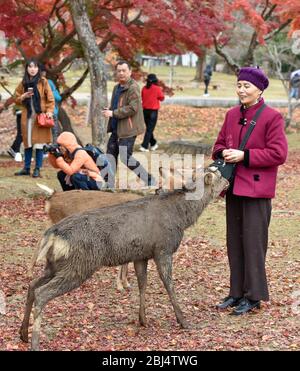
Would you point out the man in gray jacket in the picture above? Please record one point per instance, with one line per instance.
(126, 121)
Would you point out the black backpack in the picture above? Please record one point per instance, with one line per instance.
(97, 155)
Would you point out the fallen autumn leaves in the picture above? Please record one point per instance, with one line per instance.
(98, 317)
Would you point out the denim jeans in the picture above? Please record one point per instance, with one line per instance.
(38, 158)
(79, 181)
(294, 93)
(150, 117)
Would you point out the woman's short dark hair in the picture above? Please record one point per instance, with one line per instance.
(119, 63)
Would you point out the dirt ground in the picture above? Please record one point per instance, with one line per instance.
(98, 317)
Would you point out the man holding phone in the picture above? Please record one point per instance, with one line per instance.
(126, 121)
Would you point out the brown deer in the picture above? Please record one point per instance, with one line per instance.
(148, 228)
(62, 204)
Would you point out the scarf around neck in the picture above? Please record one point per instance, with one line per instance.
(36, 99)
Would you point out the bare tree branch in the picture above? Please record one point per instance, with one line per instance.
(66, 61)
(68, 92)
(18, 46)
(277, 30)
(231, 63)
(268, 15)
(6, 89)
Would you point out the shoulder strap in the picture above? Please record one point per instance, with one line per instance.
(251, 127)
(72, 155)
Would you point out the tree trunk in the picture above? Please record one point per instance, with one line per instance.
(171, 72)
(95, 60)
(66, 124)
(179, 61)
(199, 67)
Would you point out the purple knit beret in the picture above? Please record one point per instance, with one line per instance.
(254, 75)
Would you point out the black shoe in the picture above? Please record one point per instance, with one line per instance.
(36, 173)
(229, 301)
(245, 306)
(23, 172)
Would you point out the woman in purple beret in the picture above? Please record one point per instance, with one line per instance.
(248, 199)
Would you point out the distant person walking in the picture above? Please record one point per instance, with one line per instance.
(295, 84)
(125, 122)
(152, 95)
(207, 77)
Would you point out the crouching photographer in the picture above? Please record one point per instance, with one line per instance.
(77, 169)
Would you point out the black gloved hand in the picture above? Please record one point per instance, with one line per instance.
(57, 153)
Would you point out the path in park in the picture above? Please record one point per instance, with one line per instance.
(193, 101)
(196, 101)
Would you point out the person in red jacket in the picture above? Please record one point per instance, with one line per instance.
(152, 95)
(248, 200)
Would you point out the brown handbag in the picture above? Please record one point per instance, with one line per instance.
(45, 122)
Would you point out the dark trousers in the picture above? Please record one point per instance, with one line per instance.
(206, 83)
(18, 140)
(79, 181)
(150, 117)
(113, 148)
(247, 241)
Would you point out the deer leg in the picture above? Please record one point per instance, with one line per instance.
(164, 267)
(122, 281)
(119, 278)
(37, 319)
(43, 294)
(28, 307)
(140, 267)
(124, 274)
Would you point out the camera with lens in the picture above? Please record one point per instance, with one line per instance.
(51, 148)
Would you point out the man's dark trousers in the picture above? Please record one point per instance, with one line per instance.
(113, 148)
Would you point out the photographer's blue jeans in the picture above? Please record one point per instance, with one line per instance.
(81, 181)
(38, 158)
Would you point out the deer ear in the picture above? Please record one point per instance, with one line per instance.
(208, 178)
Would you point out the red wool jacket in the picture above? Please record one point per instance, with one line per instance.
(266, 147)
(151, 97)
